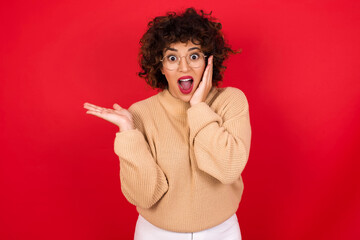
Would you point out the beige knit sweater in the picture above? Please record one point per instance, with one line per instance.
(181, 167)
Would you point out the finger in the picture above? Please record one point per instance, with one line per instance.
(211, 70)
(97, 109)
(92, 107)
(210, 60)
(103, 113)
(95, 113)
(206, 73)
(205, 78)
(210, 64)
(117, 106)
(89, 107)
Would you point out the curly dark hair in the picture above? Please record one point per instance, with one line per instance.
(200, 28)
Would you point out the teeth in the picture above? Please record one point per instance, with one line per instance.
(184, 80)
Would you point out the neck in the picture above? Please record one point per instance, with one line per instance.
(176, 106)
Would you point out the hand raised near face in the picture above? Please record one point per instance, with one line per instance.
(118, 115)
(205, 85)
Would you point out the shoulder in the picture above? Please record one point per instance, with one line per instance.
(231, 95)
(232, 92)
(143, 111)
(229, 102)
(144, 106)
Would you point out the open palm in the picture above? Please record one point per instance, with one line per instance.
(119, 116)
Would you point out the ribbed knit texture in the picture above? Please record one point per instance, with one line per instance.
(181, 167)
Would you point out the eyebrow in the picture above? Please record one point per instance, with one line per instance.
(175, 50)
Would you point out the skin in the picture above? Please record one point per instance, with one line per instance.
(198, 74)
(122, 118)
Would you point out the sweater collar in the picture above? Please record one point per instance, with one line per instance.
(175, 106)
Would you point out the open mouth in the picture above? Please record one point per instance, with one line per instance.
(185, 84)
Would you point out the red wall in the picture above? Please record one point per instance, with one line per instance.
(59, 176)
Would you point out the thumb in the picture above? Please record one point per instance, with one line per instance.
(117, 106)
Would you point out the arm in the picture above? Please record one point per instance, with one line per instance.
(221, 143)
(142, 181)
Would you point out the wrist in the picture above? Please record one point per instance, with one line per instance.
(194, 103)
(126, 128)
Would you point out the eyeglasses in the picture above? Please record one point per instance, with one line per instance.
(194, 60)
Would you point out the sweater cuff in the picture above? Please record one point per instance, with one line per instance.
(201, 115)
(128, 141)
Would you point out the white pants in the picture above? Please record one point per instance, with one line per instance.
(228, 230)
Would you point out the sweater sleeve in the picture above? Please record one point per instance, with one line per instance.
(143, 183)
(221, 143)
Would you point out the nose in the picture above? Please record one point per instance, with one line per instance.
(183, 65)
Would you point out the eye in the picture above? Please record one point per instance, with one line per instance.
(194, 56)
(171, 58)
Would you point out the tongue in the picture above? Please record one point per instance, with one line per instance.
(186, 85)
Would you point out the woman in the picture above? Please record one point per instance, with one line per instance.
(183, 150)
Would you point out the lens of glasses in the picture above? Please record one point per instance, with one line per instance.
(194, 60)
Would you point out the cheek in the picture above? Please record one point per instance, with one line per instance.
(201, 72)
(170, 78)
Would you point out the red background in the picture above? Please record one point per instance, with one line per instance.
(59, 176)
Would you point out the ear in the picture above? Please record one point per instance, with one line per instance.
(162, 71)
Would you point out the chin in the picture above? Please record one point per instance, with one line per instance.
(186, 98)
(181, 96)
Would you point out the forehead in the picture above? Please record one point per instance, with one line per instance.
(182, 47)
